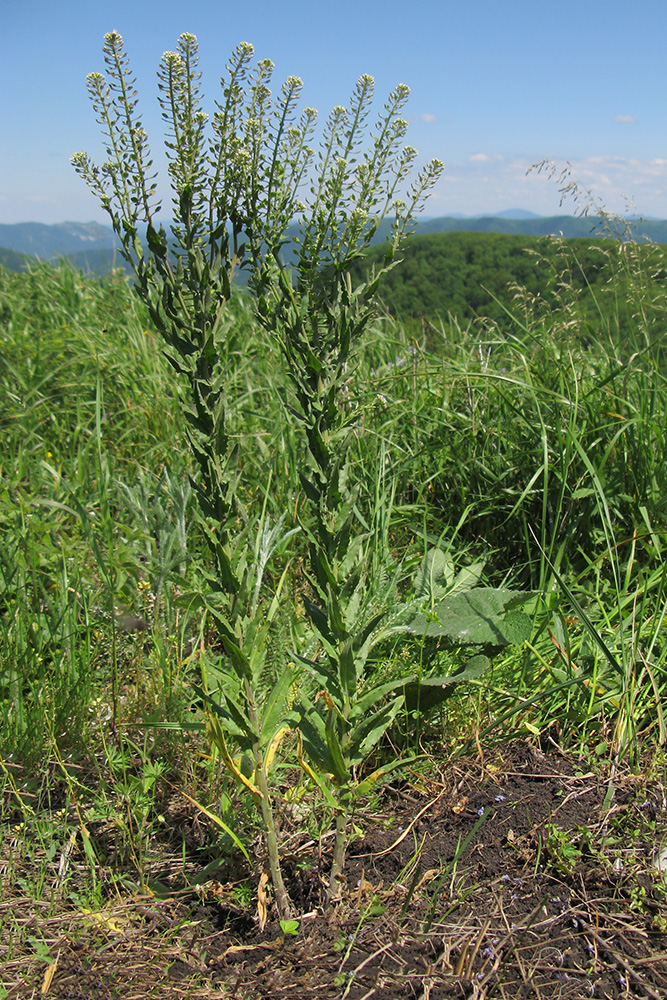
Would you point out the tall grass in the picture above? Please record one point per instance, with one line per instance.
(94, 492)
(540, 452)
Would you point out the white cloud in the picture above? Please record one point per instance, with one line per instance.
(484, 158)
(429, 118)
(625, 119)
(485, 183)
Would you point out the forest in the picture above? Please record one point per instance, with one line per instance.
(490, 276)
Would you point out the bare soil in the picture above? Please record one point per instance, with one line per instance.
(520, 874)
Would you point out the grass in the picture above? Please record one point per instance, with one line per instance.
(540, 453)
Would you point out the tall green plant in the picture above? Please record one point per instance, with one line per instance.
(243, 186)
(185, 280)
(319, 315)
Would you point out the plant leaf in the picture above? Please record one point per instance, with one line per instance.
(275, 704)
(340, 771)
(436, 570)
(427, 693)
(365, 786)
(484, 616)
(370, 730)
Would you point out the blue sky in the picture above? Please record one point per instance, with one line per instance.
(496, 85)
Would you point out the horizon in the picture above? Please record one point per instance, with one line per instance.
(494, 90)
(516, 214)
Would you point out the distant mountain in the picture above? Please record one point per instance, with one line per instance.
(516, 213)
(64, 238)
(557, 225)
(94, 247)
(508, 213)
(99, 261)
(569, 226)
(12, 260)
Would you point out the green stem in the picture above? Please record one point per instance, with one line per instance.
(283, 901)
(338, 863)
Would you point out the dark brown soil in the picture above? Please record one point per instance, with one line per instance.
(525, 875)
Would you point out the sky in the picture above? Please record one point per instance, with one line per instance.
(496, 86)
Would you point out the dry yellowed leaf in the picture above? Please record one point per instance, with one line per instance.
(107, 921)
(49, 974)
(262, 901)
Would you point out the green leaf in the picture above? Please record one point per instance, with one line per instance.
(157, 241)
(275, 704)
(318, 618)
(315, 744)
(467, 578)
(484, 616)
(347, 668)
(231, 716)
(362, 636)
(239, 660)
(340, 771)
(365, 786)
(370, 698)
(309, 488)
(436, 570)
(429, 692)
(323, 674)
(370, 730)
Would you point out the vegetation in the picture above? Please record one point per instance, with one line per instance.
(485, 276)
(261, 549)
(545, 477)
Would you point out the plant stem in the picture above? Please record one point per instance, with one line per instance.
(338, 863)
(283, 901)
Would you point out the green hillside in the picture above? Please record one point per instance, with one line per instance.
(12, 260)
(473, 275)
